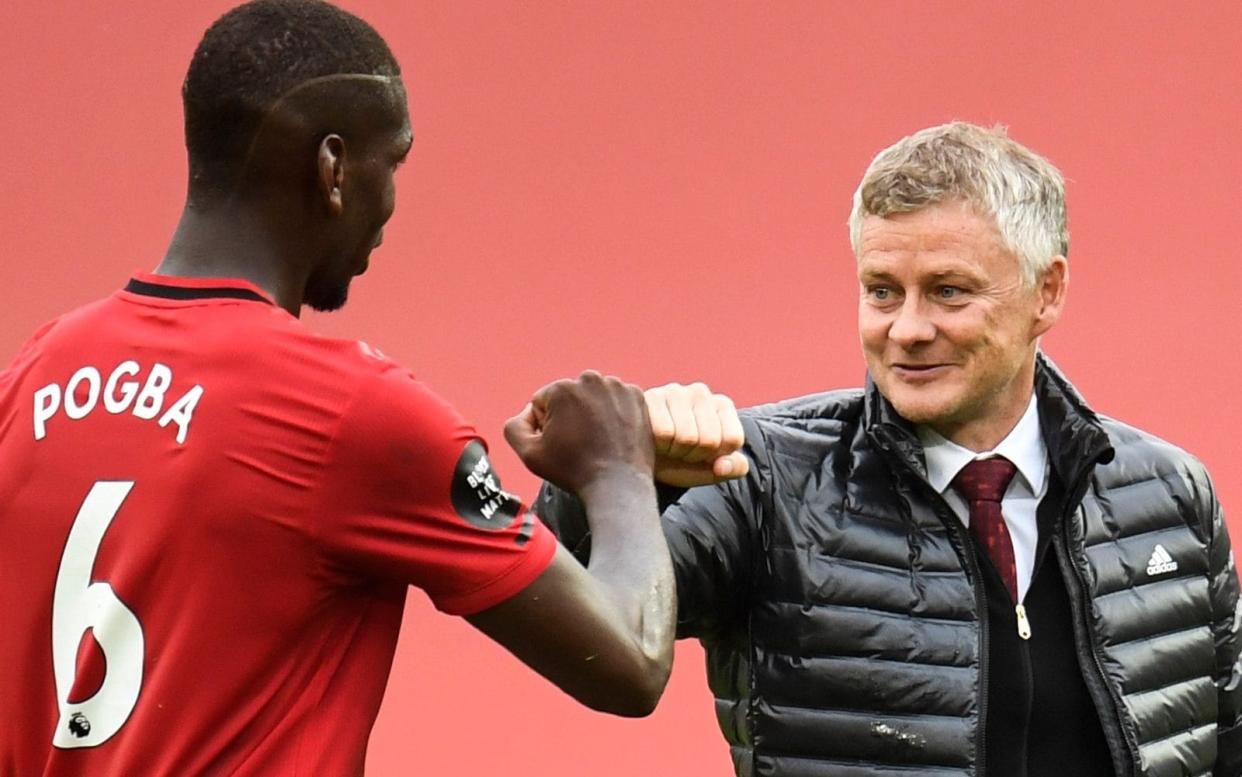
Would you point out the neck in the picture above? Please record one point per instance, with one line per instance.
(235, 241)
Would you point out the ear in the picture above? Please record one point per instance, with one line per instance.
(1051, 288)
(331, 172)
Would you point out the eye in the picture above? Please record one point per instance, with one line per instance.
(880, 293)
(948, 292)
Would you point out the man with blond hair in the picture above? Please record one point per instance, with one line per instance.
(960, 569)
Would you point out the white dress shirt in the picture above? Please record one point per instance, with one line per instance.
(1024, 446)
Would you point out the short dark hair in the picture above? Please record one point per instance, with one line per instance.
(252, 56)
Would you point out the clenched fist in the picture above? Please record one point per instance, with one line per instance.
(697, 434)
(575, 431)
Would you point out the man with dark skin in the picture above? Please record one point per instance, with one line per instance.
(262, 530)
(304, 244)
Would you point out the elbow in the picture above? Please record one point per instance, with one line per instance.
(628, 703)
(636, 693)
(638, 708)
(642, 698)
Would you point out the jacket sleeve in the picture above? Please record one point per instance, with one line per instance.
(1226, 616)
(713, 538)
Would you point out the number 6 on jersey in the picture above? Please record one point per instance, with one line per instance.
(79, 605)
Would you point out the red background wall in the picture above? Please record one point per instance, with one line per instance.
(660, 189)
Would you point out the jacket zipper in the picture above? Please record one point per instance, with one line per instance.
(1096, 682)
(1024, 626)
(981, 604)
(1030, 706)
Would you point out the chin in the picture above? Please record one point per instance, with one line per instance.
(923, 415)
(921, 407)
(326, 299)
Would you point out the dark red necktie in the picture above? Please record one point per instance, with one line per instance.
(982, 484)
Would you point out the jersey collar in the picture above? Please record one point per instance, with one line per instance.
(179, 288)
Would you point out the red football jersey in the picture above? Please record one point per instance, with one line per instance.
(209, 517)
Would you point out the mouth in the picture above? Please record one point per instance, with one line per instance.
(917, 373)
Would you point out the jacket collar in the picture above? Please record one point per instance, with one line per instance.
(1072, 432)
(1075, 437)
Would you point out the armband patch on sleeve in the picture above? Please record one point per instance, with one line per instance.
(477, 495)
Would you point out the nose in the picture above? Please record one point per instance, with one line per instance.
(911, 326)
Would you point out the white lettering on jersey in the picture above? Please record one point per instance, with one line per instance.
(46, 403)
(118, 403)
(143, 398)
(182, 411)
(90, 376)
(151, 398)
(370, 350)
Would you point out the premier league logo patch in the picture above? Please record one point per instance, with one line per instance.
(79, 726)
(477, 495)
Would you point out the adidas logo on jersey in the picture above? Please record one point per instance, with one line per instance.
(1160, 562)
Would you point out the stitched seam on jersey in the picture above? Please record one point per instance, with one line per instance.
(320, 563)
(132, 298)
(319, 489)
(170, 291)
(324, 561)
(525, 559)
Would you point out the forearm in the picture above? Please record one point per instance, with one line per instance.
(602, 633)
(630, 562)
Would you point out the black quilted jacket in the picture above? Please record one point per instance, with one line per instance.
(841, 607)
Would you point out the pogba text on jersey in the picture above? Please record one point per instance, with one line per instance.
(128, 388)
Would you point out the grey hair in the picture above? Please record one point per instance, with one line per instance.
(1023, 193)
